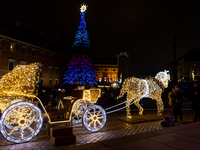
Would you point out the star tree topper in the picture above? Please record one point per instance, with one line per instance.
(83, 8)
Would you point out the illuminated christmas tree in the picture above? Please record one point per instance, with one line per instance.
(80, 71)
(82, 42)
(80, 67)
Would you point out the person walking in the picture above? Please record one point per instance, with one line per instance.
(177, 96)
(195, 95)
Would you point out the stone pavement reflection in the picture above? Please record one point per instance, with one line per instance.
(114, 128)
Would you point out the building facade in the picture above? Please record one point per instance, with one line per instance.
(19, 46)
(110, 70)
(188, 69)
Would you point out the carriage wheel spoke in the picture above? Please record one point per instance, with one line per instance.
(90, 123)
(13, 130)
(22, 132)
(95, 124)
(94, 111)
(29, 128)
(90, 114)
(99, 122)
(100, 117)
(90, 118)
(98, 112)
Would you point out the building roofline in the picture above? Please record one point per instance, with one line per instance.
(25, 43)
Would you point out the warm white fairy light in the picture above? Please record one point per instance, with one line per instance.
(152, 88)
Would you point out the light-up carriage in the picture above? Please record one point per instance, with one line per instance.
(21, 119)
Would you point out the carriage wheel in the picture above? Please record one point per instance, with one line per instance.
(77, 111)
(24, 118)
(94, 118)
(11, 126)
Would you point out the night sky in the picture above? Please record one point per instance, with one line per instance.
(143, 28)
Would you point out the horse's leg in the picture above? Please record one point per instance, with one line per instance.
(160, 106)
(139, 107)
(128, 115)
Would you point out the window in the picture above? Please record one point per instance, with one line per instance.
(50, 80)
(56, 71)
(56, 58)
(50, 56)
(12, 47)
(33, 52)
(23, 49)
(11, 64)
(56, 81)
(42, 54)
(23, 62)
(50, 70)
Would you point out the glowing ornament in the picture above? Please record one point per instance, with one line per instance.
(139, 88)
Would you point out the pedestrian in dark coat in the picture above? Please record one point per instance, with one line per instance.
(195, 95)
(177, 96)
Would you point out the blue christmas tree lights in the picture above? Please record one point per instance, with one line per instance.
(80, 71)
(82, 37)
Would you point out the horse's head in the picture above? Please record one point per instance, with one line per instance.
(124, 88)
(163, 77)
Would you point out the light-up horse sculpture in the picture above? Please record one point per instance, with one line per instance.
(139, 88)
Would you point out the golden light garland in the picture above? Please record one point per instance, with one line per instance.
(18, 83)
(152, 88)
(91, 95)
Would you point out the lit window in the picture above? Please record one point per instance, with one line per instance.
(50, 81)
(23, 62)
(56, 81)
(12, 47)
(56, 71)
(50, 56)
(50, 70)
(33, 52)
(23, 49)
(11, 64)
(42, 54)
(104, 78)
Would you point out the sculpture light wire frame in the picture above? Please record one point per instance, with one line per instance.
(34, 133)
